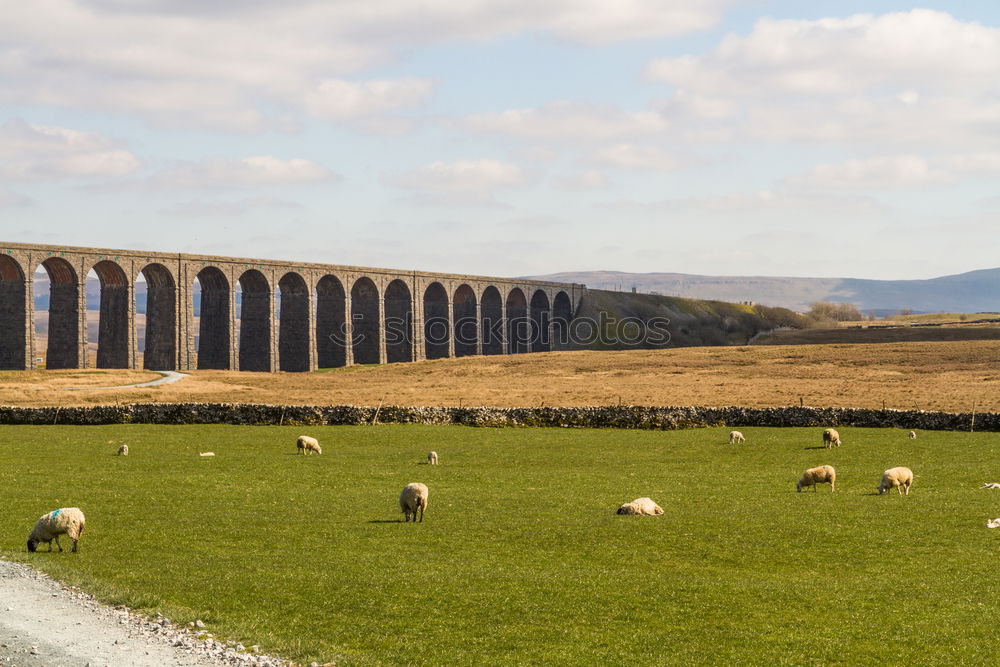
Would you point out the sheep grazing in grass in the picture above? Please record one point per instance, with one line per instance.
(913, 435)
(819, 475)
(206, 453)
(899, 478)
(307, 445)
(412, 499)
(432, 459)
(990, 485)
(640, 507)
(66, 521)
(736, 436)
(993, 523)
(123, 450)
(831, 438)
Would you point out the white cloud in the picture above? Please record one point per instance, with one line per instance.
(31, 152)
(240, 65)
(461, 176)
(630, 156)
(567, 120)
(586, 180)
(339, 99)
(914, 79)
(875, 172)
(262, 170)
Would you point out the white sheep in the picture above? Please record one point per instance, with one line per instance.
(993, 523)
(990, 485)
(123, 450)
(819, 475)
(412, 499)
(206, 453)
(913, 435)
(831, 437)
(736, 436)
(640, 506)
(432, 459)
(306, 445)
(899, 478)
(65, 521)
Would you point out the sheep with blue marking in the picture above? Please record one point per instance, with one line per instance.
(67, 521)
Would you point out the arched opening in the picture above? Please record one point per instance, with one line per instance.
(254, 312)
(562, 313)
(57, 313)
(437, 333)
(331, 323)
(212, 308)
(13, 315)
(398, 322)
(365, 322)
(540, 318)
(113, 326)
(157, 339)
(293, 324)
(491, 321)
(518, 326)
(466, 324)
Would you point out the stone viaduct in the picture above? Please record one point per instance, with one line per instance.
(266, 315)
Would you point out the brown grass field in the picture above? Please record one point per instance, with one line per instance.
(924, 375)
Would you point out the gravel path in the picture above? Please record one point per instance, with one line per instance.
(44, 623)
(169, 377)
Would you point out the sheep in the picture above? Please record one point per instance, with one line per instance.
(432, 459)
(640, 507)
(831, 438)
(736, 436)
(993, 523)
(913, 435)
(123, 450)
(819, 475)
(206, 453)
(990, 485)
(900, 478)
(307, 445)
(413, 498)
(65, 521)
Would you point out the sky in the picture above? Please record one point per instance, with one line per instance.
(510, 137)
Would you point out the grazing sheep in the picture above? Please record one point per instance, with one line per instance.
(913, 435)
(990, 485)
(413, 498)
(640, 507)
(432, 459)
(307, 445)
(65, 521)
(206, 453)
(993, 523)
(900, 478)
(736, 436)
(123, 450)
(820, 475)
(831, 438)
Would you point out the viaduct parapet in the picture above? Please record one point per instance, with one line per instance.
(266, 315)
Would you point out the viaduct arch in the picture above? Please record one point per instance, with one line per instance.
(234, 313)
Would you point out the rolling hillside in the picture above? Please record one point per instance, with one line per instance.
(975, 291)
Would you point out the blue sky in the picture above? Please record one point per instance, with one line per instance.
(510, 138)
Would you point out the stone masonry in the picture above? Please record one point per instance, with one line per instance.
(294, 316)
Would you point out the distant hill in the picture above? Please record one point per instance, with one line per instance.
(972, 292)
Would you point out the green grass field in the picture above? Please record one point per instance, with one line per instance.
(521, 559)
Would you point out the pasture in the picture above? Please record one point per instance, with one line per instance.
(521, 558)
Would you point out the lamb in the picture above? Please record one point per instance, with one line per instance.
(65, 521)
(831, 438)
(913, 435)
(736, 436)
(640, 507)
(900, 478)
(432, 459)
(307, 445)
(993, 523)
(819, 475)
(413, 498)
(123, 450)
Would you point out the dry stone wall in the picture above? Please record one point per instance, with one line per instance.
(623, 416)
